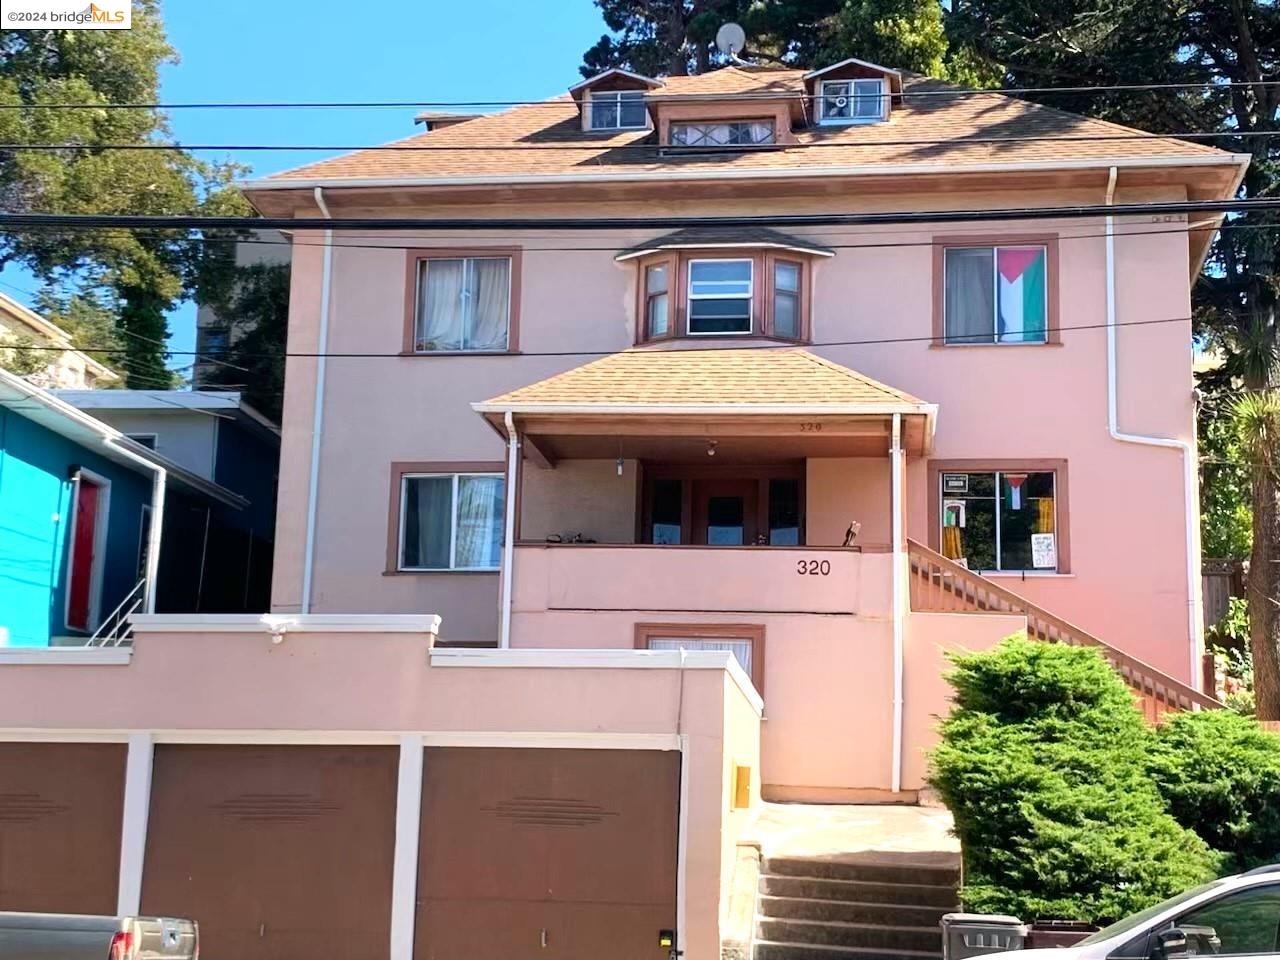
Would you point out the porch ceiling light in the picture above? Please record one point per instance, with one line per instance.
(711, 447)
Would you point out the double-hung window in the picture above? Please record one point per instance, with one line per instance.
(617, 110)
(451, 521)
(720, 295)
(1000, 520)
(786, 299)
(463, 305)
(657, 301)
(996, 294)
(852, 101)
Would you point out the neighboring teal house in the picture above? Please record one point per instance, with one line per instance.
(77, 499)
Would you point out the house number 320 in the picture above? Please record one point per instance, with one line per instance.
(813, 568)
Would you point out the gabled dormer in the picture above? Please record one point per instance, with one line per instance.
(613, 101)
(852, 91)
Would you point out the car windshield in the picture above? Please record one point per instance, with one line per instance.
(1136, 921)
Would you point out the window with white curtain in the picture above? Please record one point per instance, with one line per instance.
(722, 133)
(741, 649)
(464, 304)
(451, 521)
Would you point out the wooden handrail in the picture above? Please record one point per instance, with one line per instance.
(944, 586)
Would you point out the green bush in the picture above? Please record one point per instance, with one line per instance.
(1219, 773)
(1043, 764)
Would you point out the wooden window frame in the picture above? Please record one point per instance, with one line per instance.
(824, 120)
(1053, 329)
(402, 468)
(753, 632)
(413, 275)
(762, 291)
(1061, 506)
(687, 473)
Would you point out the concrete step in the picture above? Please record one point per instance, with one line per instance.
(837, 933)
(861, 891)
(853, 911)
(932, 874)
(782, 950)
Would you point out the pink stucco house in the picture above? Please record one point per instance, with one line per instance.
(590, 537)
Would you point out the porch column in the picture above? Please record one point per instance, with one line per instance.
(509, 528)
(133, 833)
(896, 464)
(404, 867)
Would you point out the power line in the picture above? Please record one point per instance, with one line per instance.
(878, 341)
(603, 146)
(31, 221)
(560, 102)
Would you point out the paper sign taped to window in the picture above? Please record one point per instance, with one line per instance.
(1044, 551)
(953, 513)
(955, 483)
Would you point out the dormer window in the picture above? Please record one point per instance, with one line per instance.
(722, 133)
(852, 101)
(617, 110)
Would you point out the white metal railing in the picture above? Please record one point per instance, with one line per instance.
(116, 630)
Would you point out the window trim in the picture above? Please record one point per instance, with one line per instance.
(771, 261)
(395, 520)
(753, 632)
(413, 274)
(824, 120)
(1062, 503)
(672, 263)
(750, 297)
(616, 96)
(1053, 329)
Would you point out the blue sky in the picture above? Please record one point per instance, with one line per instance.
(309, 50)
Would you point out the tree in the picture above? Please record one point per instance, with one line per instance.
(147, 271)
(1225, 488)
(668, 37)
(1211, 43)
(254, 361)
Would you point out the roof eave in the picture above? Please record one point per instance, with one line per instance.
(871, 408)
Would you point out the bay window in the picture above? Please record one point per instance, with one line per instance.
(1001, 520)
(450, 521)
(463, 304)
(720, 295)
(996, 294)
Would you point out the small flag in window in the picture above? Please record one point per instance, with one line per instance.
(1015, 481)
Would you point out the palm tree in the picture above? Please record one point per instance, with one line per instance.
(1256, 416)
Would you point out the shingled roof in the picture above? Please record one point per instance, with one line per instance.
(930, 126)
(695, 381)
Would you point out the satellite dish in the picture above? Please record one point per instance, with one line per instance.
(731, 39)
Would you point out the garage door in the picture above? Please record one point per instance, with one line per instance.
(278, 852)
(554, 854)
(60, 816)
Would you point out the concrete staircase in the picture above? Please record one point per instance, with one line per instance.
(820, 908)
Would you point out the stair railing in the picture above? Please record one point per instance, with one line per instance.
(115, 629)
(940, 585)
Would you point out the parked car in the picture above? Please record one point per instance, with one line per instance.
(1236, 916)
(78, 936)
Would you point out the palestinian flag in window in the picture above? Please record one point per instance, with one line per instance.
(1022, 293)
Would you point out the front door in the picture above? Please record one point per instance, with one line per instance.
(724, 512)
(84, 560)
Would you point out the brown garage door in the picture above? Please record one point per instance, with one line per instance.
(554, 854)
(60, 816)
(279, 852)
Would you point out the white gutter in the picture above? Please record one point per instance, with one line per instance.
(749, 173)
(1191, 485)
(154, 531)
(509, 528)
(895, 465)
(317, 423)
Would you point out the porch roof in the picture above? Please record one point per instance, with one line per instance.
(755, 380)
(757, 404)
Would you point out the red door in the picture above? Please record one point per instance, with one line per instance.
(80, 583)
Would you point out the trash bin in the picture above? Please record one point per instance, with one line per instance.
(1058, 933)
(974, 934)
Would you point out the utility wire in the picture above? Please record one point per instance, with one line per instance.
(36, 221)
(877, 341)
(561, 102)
(668, 151)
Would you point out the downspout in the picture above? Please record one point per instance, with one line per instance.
(317, 423)
(509, 528)
(159, 480)
(1191, 478)
(895, 468)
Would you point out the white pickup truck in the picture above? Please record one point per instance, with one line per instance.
(77, 936)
